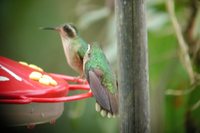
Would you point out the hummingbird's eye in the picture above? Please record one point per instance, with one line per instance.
(89, 54)
(71, 32)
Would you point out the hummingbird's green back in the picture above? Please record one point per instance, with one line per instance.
(98, 60)
(81, 44)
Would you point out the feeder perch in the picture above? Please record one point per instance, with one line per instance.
(29, 95)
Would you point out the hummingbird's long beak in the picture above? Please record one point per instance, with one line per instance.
(49, 28)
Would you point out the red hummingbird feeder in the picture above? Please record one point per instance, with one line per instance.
(30, 96)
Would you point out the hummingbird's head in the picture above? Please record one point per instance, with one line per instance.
(87, 54)
(93, 51)
(67, 31)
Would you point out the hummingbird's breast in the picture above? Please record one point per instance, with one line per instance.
(71, 53)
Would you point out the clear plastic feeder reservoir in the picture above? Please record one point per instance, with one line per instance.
(30, 96)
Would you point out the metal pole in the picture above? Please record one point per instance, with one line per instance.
(133, 66)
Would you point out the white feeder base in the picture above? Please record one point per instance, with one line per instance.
(30, 114)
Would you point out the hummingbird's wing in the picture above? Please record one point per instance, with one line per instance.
(98, 90)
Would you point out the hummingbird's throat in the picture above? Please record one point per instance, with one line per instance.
(65, 41)
(66, 47)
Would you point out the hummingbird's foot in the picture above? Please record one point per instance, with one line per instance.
(104, 112)
(79, 79)
(85, 81)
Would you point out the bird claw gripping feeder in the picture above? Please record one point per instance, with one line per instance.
(30, 96)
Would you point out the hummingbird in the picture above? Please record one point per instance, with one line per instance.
(102, 81)
(74, 46)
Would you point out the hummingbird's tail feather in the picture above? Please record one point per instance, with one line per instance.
(106, 100)
(114, 103)
(104, 112)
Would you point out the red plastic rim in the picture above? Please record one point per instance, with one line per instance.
(20, 89)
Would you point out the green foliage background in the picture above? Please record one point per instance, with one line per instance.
(21, 39)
